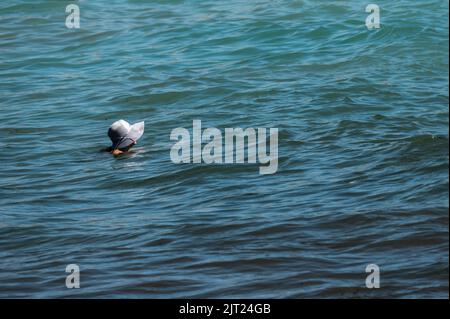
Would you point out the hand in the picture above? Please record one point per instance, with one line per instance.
(116, 152)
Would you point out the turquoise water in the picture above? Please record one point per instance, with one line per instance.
(363, 149)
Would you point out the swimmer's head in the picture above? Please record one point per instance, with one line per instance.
(124, 135)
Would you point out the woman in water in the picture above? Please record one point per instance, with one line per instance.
(124, 136)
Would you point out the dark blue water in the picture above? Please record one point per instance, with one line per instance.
(363, 149)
